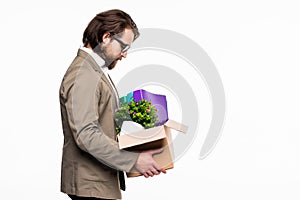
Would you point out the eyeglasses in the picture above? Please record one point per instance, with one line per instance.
(124, 46)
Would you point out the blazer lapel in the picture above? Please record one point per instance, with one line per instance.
(117, 94)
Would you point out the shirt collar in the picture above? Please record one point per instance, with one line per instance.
(97, 58)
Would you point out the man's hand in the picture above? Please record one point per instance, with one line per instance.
(146, 165)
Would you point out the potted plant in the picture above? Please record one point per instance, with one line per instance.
(142, 112)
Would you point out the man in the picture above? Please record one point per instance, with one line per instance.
(92, 164)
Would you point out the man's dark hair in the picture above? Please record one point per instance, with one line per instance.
(112, 21)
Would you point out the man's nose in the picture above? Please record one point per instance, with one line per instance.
(124, 54)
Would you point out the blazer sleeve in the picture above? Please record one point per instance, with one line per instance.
(82, 108)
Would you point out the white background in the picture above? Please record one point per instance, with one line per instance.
(254, 45)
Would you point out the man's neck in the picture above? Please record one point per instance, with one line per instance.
(89, 46)
(101, 54)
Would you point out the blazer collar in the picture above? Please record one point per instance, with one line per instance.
(91, 60)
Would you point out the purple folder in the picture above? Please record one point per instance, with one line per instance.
(158, 101)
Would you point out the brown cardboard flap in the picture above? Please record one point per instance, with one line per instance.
(176, 125)
(141, 137)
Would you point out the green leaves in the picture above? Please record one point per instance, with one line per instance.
(142, 112)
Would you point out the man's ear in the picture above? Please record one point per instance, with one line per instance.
(106, 37)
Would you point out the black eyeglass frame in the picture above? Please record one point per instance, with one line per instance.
(125, 47)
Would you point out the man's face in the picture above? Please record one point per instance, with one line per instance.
(116, 47)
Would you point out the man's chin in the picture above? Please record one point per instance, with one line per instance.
(112, 65)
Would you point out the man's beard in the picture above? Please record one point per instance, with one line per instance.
(112, 65)
(109, 61)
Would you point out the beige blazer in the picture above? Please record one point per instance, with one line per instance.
(91, 157)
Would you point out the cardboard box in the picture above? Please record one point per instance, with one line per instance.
(153, 138)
